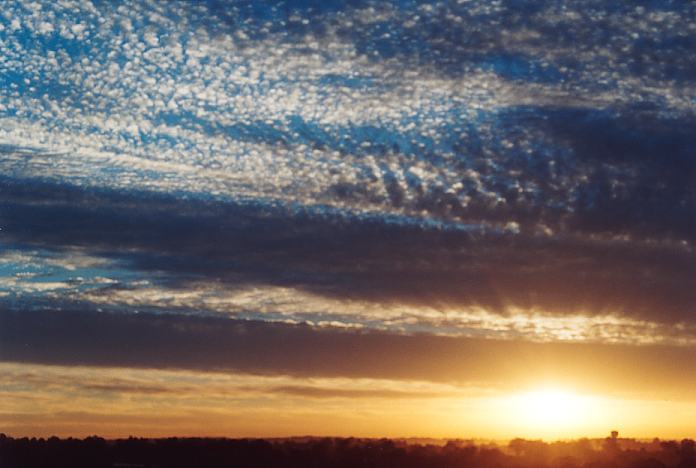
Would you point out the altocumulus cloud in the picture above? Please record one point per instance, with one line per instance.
(507, 157)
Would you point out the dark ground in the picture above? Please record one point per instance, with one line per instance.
(96, 452)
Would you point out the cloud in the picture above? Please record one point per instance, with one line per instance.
(511, 169)
(130, 383)
(314, 392)
(361, 257)
(432, 109)
(230, 346)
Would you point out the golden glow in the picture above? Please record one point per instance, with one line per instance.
(553, 409)
(117, 402)
(544, 412)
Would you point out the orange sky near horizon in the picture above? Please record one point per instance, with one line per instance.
(40, 401)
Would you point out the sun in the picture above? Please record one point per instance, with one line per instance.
(550, 406)
(551, 411)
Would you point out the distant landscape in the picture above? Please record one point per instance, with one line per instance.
(307, 452)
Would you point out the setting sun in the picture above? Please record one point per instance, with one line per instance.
(553, 407)
(551, 411)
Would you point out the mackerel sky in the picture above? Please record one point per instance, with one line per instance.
(443, 192)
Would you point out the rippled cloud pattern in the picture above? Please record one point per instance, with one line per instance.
(505, 170)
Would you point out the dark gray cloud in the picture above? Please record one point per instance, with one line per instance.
(223, 345)
(348, 256)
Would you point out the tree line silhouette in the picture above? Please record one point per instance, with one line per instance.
(308, 452)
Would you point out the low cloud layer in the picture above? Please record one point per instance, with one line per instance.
(222, 345)
(358, 257)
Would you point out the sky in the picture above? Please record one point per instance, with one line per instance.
(471, 218)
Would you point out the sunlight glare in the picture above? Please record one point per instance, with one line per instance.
(551, 411)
